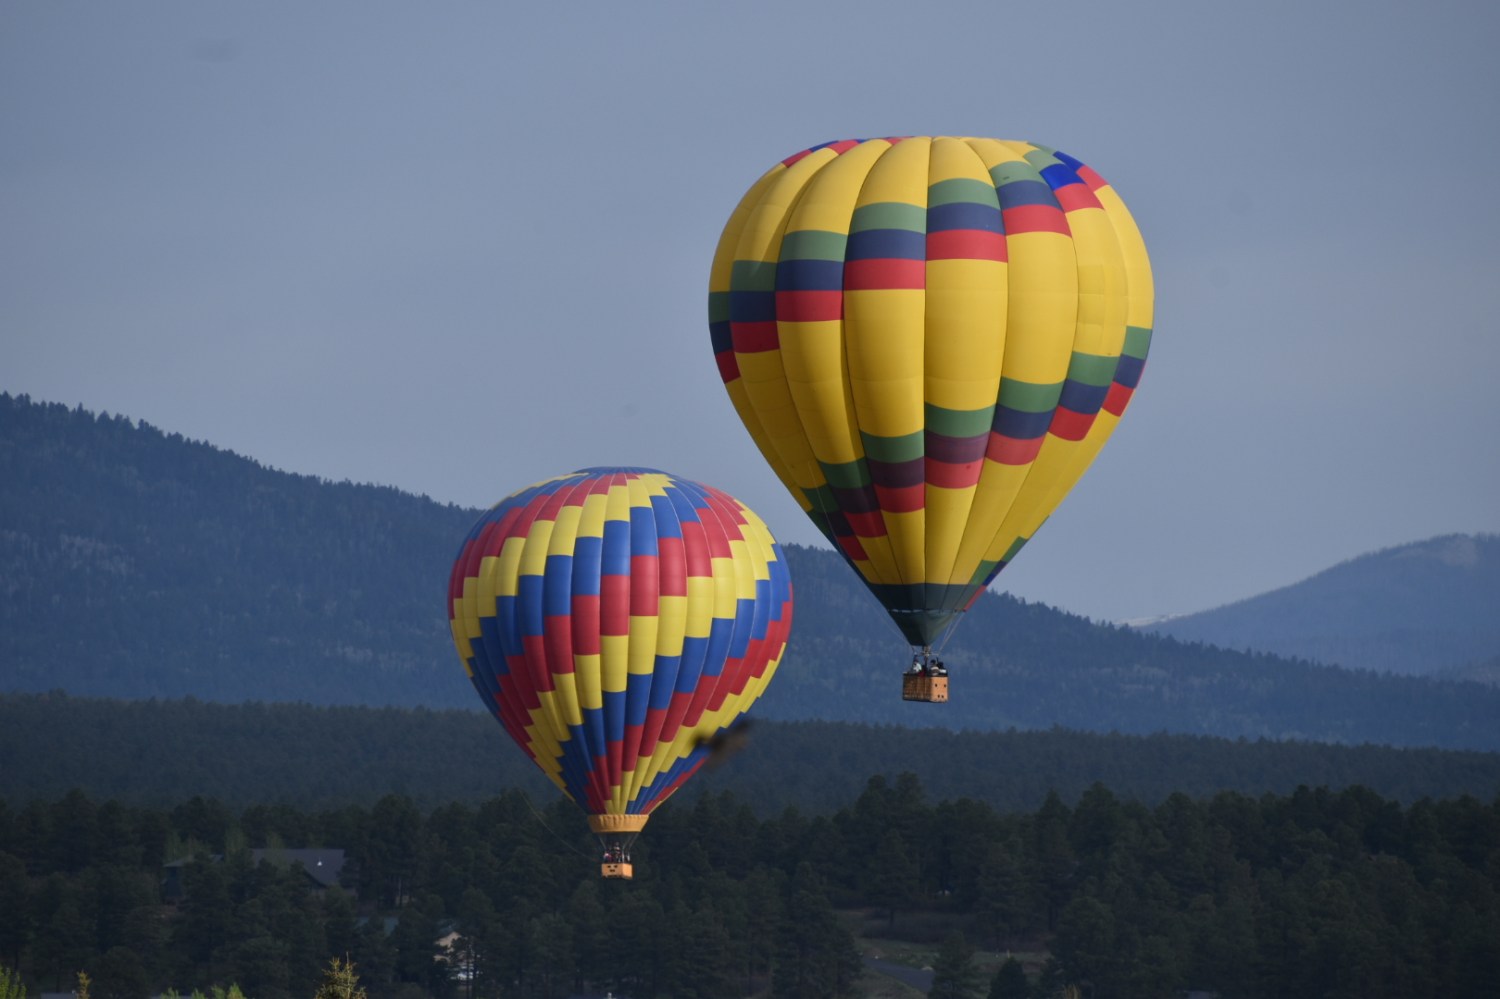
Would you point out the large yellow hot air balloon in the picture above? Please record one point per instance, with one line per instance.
(930, 339)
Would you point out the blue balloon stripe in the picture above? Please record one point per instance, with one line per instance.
(557, 586)
(685, 505)
(664, 511)
(642, 531)
(1025, 192)
(529, 592)
(484, 682)
(614, 716)
(761, 608)
(576, 767)
(810, 275)
(1019, 424)
(690, 665)
(1082, 398)
(1128, 370)
(1060, 175)
(637, 697)
(744, 612)
(887, 244)
(963, 215)
(720, 336)
(614, 555)
(1070, 161)
(720, 634)
(506, 625)
(593, 731)
(587, 555)
(752, 306)
(664, 681)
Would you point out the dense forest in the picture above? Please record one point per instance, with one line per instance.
(1426, 607)
(206, 664)
(134, 563)
(156, 752)
(1314, 893)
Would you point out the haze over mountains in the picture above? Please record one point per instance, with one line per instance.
(137, 564)
(1430, 608)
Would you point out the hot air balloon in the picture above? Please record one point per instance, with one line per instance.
(617, 621)
(929, 339)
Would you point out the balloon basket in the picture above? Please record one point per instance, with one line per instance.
(616, 863)
(618, 870)
(920, 687)
(926, 680)
(616, 833)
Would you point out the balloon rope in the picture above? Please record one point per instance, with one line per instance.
(543, 823)
(948, 635)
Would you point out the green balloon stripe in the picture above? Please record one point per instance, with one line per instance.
(893, 449)
(814, 244)
(958, 422)
(889, 215)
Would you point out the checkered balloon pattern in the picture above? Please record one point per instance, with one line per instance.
(616, 621)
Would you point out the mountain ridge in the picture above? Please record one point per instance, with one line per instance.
(1423, 608)
(137, 564)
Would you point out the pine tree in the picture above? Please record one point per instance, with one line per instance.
(891, 879)
(953, 973)
(1010, 981)
(340, 982)
(816, 957)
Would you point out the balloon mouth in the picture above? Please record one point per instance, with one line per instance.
(603, 825)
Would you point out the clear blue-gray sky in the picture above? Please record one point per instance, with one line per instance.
(457, 248)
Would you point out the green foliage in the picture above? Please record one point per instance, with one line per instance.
(815, 955)
(1315, 893)
(340, 981)
(152, 752)
(954, 975)
(11, 986)
(1009, 981)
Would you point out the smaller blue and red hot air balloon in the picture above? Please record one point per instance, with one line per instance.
(617, 621)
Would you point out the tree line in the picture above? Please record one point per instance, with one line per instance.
(157, 752)
(1312, 893)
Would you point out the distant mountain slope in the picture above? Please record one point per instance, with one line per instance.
(1428, 608)
(134, 564)
(139, 564)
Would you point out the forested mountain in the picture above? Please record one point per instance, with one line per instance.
(154, 752)
(1427, 608)
(135, 564)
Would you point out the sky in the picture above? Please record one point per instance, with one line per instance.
(459, 248)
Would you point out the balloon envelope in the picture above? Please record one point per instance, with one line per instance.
(929, 340)
(615, 620)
